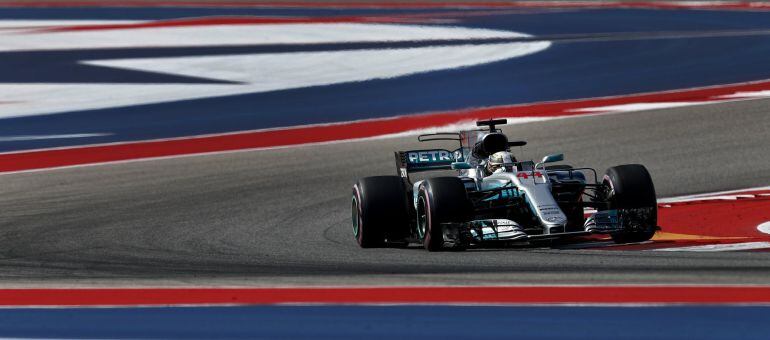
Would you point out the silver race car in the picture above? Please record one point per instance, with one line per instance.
(497, 199)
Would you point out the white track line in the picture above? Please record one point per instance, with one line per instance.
(764, 227)
(720, 247)
(730, 194)
(632, 107)
(41, 137)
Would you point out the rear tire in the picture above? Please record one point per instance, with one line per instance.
(379, 211)
(440, 200)
(630, 190)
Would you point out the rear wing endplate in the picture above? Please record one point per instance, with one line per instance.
(426, 160)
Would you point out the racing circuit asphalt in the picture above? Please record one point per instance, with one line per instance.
(281, 216)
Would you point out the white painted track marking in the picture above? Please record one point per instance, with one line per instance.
(748, 94)
(639, 106)
(251, 73)
(764, 227)
(231, 35)
(721, 198)
(725, 194)
(279, 71)
(41, 137)
(720, 247)
(286, 71)
(26, 25)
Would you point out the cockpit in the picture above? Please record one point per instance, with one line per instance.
(480, 148)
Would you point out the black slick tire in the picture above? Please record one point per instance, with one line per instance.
(440, 200)
(630, 190)
(379, 211)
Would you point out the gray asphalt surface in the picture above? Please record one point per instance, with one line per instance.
(282, 216)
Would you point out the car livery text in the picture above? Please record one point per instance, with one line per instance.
(430, 156)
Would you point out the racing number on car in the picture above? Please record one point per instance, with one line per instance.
(525, 175)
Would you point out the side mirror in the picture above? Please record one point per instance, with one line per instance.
(553, 158)
(460, 166)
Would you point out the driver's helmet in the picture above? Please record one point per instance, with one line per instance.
(500, 161)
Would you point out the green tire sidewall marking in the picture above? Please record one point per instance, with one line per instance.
(422, 220)
(356, 217)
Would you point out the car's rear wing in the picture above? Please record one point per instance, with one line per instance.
(426, 160)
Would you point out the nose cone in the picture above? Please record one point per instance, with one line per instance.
(538, 194)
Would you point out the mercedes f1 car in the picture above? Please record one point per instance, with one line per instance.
(514, 202)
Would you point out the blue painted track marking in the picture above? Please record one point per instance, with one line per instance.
(356, 322)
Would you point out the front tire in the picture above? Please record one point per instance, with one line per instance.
(630, 190)
(440, 200)
(379, 211)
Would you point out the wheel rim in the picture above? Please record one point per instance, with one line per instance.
(422, 218)
(609, 194)
(356, 218)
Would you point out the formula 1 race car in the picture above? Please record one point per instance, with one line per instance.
(496, 199)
